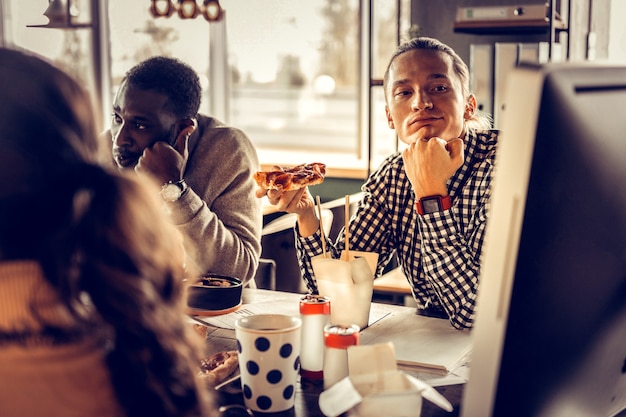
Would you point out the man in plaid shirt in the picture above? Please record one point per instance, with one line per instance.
(428, 203)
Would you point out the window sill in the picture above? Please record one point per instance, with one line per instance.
(352, 173)
(337, 165)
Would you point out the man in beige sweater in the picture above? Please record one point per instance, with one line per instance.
(205, 167)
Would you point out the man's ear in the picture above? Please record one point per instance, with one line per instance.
(185, 128)
(470, 107)
(389, 119)
(188, 125)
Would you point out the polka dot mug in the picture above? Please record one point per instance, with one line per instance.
(269, 360)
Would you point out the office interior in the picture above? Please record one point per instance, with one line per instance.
(86, 45)
(302, 108)
(334, 115)
(305, 81)
(328, 107)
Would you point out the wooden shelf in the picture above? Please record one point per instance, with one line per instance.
(481, 27)
(63, 26)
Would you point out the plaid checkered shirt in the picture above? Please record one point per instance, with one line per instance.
(438, 252)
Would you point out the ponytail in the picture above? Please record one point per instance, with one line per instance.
(480, 120)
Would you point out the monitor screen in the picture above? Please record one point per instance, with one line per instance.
(550, 330)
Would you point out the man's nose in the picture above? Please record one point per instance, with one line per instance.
(421, 101)
(121, 136)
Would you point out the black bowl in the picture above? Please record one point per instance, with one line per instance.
(215, 293)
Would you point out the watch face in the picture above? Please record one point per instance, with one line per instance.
(431, 205)
(171, 192)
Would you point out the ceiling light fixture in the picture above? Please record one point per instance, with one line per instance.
(213, 12)
(187, 9)
(162, 8)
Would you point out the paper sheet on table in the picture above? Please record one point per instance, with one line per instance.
(282, 306)
(457, 376)
(423, 344)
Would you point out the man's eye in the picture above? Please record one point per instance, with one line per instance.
(140, 126)
(117, 119)
(402, 93)
(440, 88)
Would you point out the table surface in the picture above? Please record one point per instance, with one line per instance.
(219, 339)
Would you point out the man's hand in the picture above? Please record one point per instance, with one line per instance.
(297, 201)
(165, 162)
(429, 163)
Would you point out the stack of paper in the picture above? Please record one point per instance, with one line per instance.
(422, 343)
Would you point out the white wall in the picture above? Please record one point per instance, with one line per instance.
(617, 31)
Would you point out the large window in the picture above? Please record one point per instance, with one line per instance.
(295, 72)
(70, 49)
(298, 75)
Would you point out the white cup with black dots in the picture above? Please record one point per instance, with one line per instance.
(269, 360)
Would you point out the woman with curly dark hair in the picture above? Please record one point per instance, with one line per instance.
(91, 274)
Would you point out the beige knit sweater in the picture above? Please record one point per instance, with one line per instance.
(219, 217)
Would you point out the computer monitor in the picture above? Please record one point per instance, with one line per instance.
(550, 330)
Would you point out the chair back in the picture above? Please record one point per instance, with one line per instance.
(278, 244)
(265, 276)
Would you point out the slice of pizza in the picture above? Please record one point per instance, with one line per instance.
(291, 178)
(201, 329)
(217, 368)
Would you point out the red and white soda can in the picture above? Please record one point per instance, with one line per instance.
(315, 315)
(337, 339)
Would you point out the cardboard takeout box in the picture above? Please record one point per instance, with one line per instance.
(375, 387)
(349, 286)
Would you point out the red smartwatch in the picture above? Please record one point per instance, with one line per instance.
(433, 203)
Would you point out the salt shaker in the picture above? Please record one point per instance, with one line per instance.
(337, 338)
(315, 314)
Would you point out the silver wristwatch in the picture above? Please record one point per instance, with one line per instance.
(173, 190)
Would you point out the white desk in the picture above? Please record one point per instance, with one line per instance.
(219, 339)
